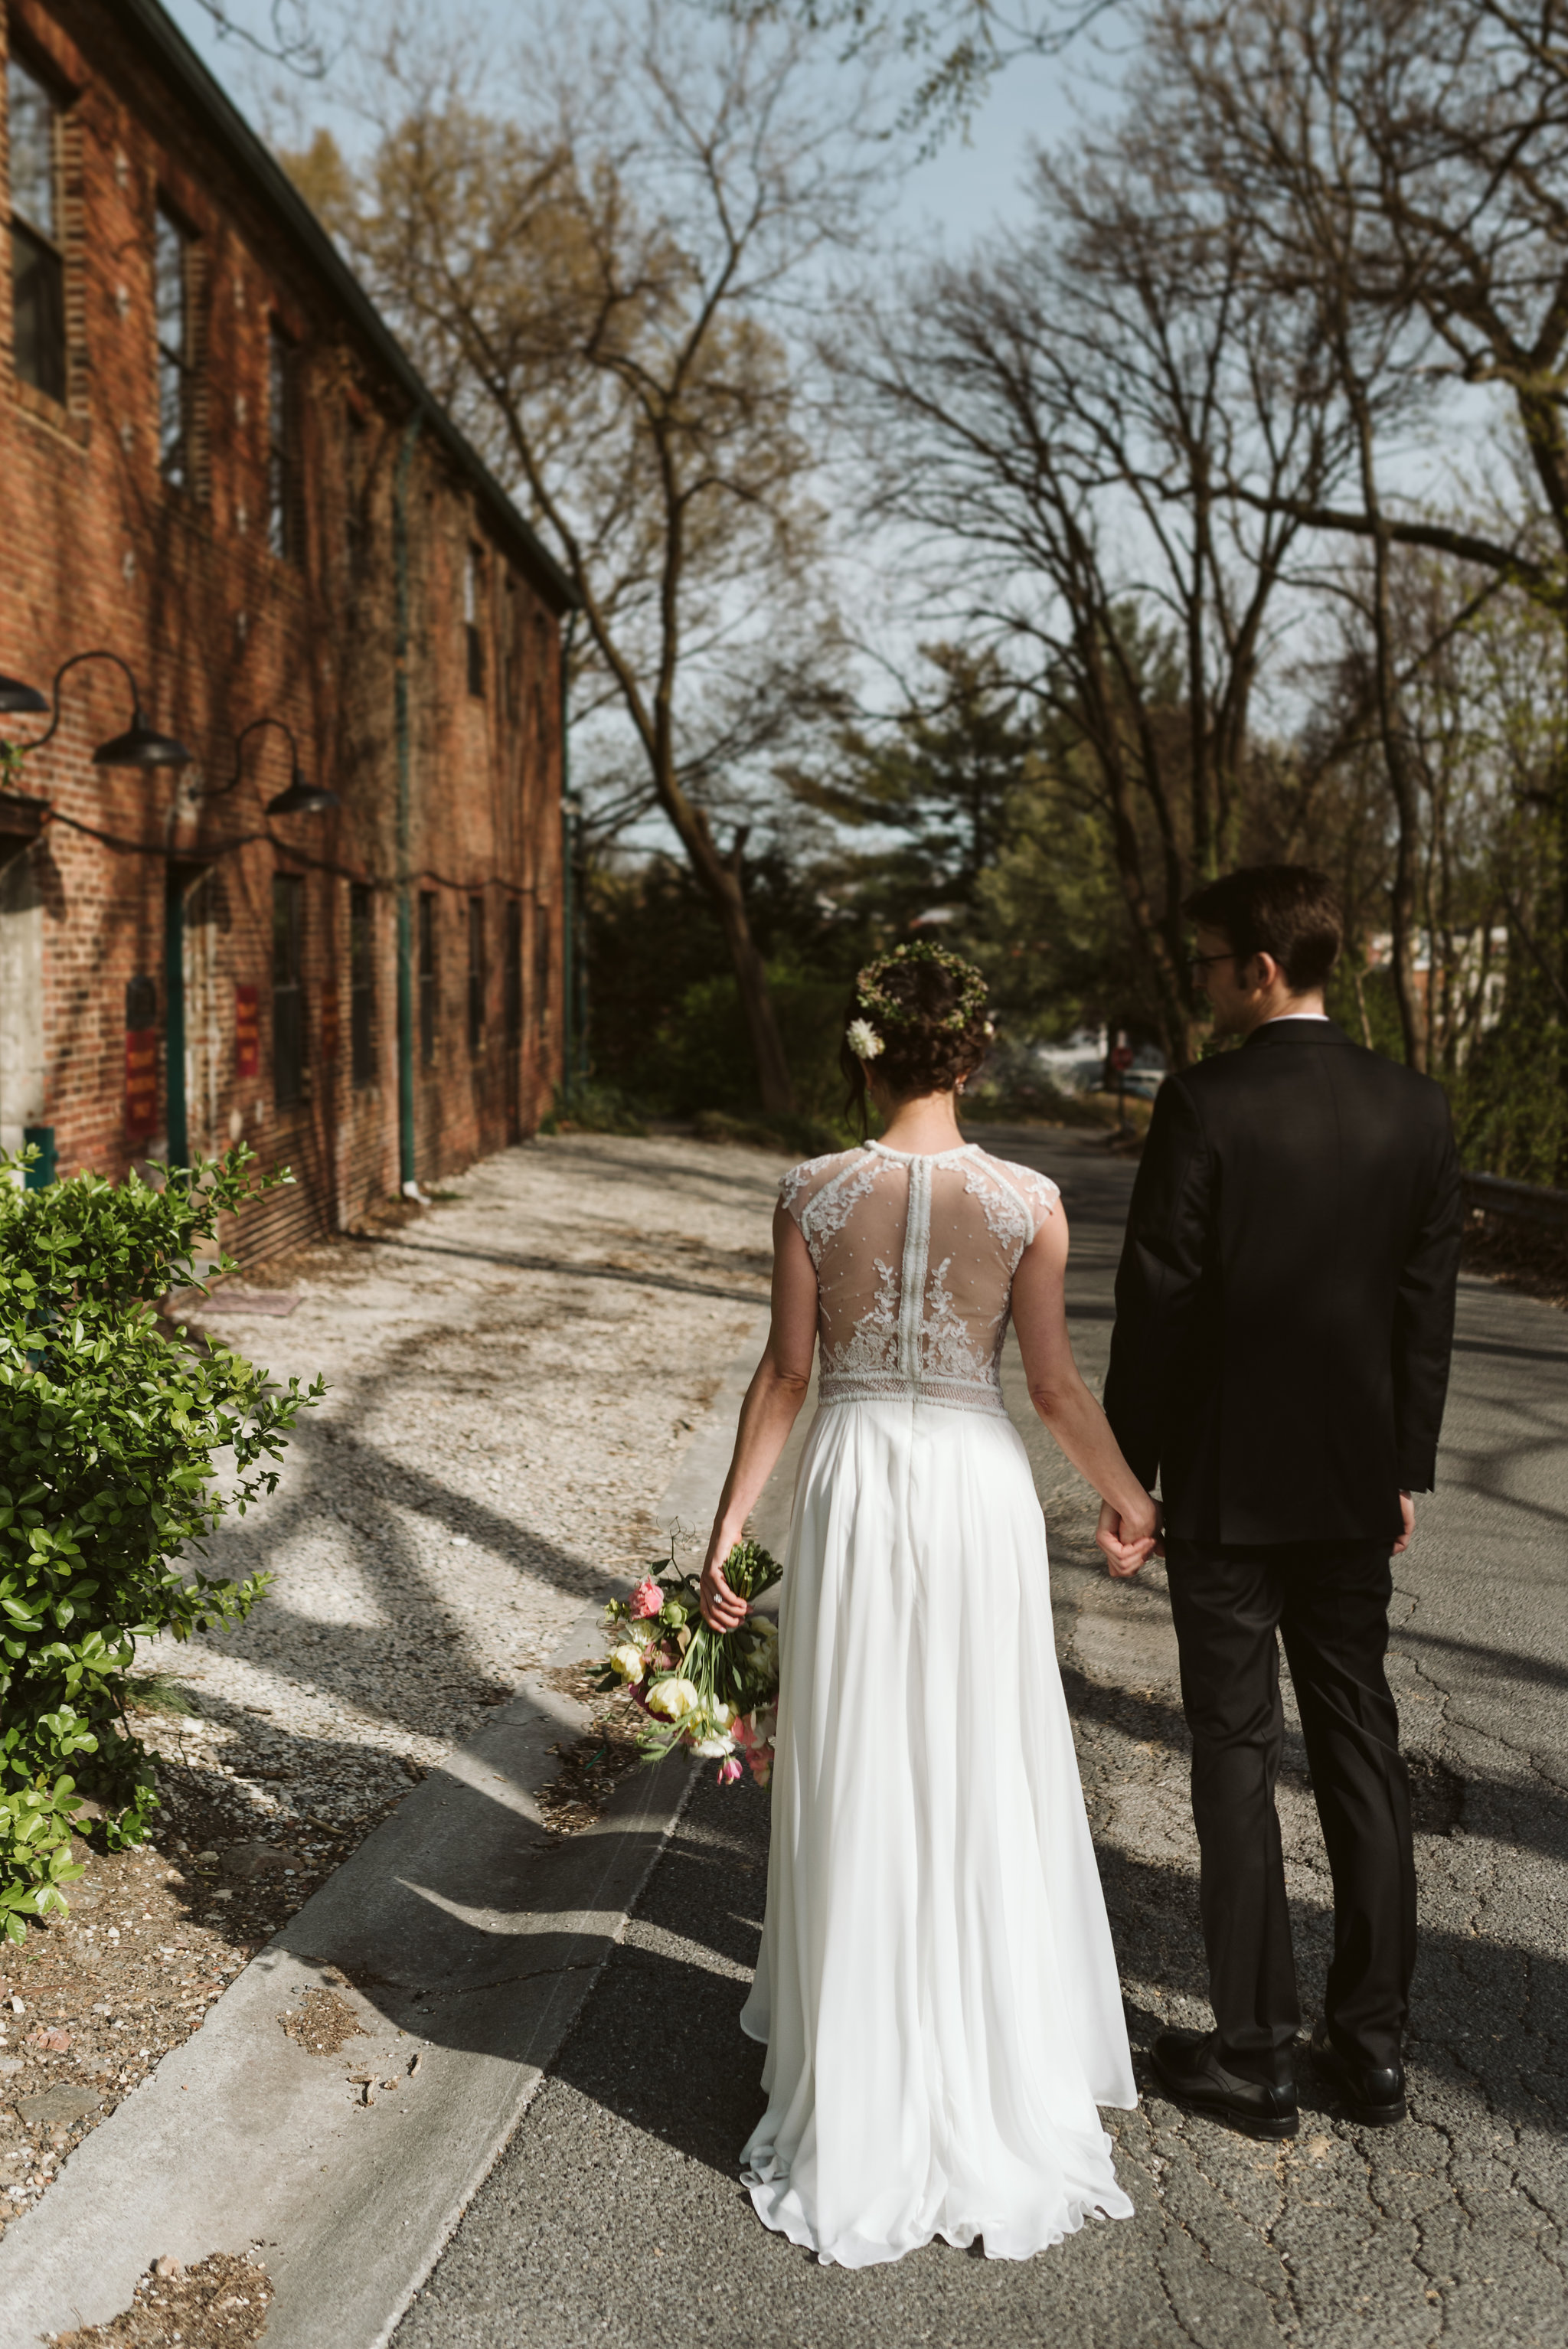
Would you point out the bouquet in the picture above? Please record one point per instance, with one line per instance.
(714, 1693)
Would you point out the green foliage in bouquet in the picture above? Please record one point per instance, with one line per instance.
(713, 1692)
(108, 1432)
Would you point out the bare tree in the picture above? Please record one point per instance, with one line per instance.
(290, 40)
(596, 285)
(959, 46)
(1064, 421)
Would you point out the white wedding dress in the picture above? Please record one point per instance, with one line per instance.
(936, 1987)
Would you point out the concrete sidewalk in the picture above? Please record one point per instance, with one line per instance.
(457, 1932)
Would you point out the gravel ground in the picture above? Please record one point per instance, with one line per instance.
(510, 1375)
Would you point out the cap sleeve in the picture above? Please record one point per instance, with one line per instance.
(802, 1184)
(1039, 1192)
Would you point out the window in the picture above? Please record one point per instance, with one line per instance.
(476, 974)
(37, 264)
(429, 999)
(356, 507)
(473, 605)
(284, 530)
(176, 372)
(288, 989)
(513, 978)
(542, 959)
(362, 983)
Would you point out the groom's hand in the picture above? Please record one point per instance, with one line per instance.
(1407, 1520)
(1126, 1547)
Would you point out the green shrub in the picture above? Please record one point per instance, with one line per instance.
(590, 1108)
(804, 1137)
(700, 1055)
(109, 1425)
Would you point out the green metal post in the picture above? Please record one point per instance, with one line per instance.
(568, 877)
(406, 1175)
(568, 947)
(174, 1019)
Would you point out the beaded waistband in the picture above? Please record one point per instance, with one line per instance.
(887, 1386)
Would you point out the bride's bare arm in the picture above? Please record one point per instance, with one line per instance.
(772, 1402)
(1128, 1520)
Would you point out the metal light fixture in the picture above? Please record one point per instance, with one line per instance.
(303, 798)
(141, 746)
(299, 797)
(19, 700)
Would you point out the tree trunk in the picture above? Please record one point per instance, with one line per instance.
(721, 877)
(1391, 737)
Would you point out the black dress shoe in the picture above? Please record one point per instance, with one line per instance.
(1373, 2095)
(1189, 2071)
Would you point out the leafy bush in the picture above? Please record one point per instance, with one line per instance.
(109, 1425)
(699, 1057)
(806, 1137)
(593, 1109)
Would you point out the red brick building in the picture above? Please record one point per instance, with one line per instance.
(217, 463)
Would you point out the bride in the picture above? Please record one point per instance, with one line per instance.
(936, 1987)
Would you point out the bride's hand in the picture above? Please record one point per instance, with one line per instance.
(1128, 1536)
(721, 1609)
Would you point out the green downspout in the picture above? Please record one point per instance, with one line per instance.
(406, 1176)
(174, 1019)
(568, 873)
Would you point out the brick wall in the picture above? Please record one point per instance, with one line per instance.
(187, 584)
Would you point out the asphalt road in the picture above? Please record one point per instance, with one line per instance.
(614, 2215)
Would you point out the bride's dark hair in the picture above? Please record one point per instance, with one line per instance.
(927, 1009)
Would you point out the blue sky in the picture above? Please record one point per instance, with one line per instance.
(970, 184)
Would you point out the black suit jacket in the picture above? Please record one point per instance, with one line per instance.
(1284, 1305)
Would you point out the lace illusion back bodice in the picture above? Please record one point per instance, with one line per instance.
(915, 1259)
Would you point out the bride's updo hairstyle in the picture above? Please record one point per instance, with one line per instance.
(919, 1015)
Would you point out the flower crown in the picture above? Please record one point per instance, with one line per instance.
(870, 993)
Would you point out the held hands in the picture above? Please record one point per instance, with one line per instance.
(721, 1609)
(1128, 1536)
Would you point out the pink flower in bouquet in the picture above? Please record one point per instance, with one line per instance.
(756, 1744)
(729, 1770)
(645, 1600)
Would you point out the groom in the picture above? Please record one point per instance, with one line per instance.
(1284, 1318)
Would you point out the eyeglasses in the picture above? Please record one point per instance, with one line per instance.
(1202, 962)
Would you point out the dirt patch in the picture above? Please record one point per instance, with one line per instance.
(323, 2024)
(592, 1767)
(91, 2003)
(221, 2305)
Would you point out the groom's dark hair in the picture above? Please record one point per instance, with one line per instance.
(1288, 911)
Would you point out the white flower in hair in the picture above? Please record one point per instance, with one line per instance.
(863, 1040)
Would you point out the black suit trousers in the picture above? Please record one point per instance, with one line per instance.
(1329, 1600)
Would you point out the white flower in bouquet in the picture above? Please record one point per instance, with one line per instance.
(673, 1699)
(628, 1660)
(863, 1040)
(712, 1749)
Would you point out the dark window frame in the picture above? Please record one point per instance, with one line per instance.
(288, 991)
(513, 980)
(285, 514)
(473, 632)
(177, 353)
(362, 983)
(355, 494)
(543, 963)
(38, 335)
(430, 979)
(477, 975)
